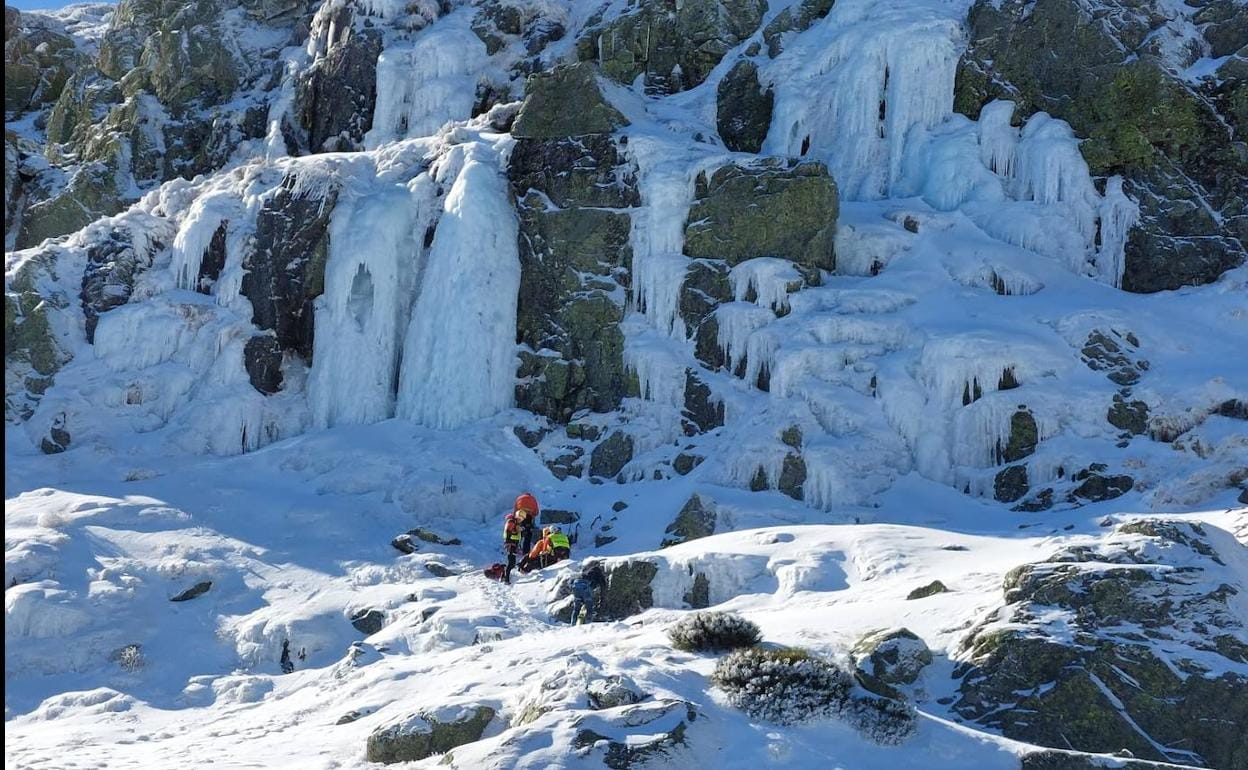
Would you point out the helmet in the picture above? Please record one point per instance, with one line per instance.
(526, 502)
(519, 514)
(552, 529)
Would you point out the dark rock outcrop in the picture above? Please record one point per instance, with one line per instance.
(696, 519)
(194, 592)
(286, 264)
(336, 96)
(744, 107)
(572, 186)
(610, 456)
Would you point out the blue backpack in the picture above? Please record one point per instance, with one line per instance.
(583, 589)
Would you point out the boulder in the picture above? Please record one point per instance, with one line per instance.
(565, 101)
(649, 734)
(931, 589)
(1096, 486)
(610, 456)
(423, 735)
(612, 692)
(780, 209)
(194, 592)
(892, 657)
(1115, 353)
(368, 622)
(262, 358)
(685, 462)
(1129, 416)
(696, 519)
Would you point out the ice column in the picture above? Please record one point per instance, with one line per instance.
(459, 356)
(374, 248)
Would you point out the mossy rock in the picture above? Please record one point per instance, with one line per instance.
(931, 589)
(696, 519)
(673, 48)
(422, 735)
(565, 101)
(768, 210)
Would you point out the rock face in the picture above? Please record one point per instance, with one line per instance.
(38, 60)
(113, 264)
(673, 46)
(774, 209)
(573, 187)
(337, 94)
(610, 457)
(33, 353)
(1106, 79)
(423, 735)
(696, 519)
(1110, 647)
(286, 264)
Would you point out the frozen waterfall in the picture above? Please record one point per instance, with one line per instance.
(459, 355)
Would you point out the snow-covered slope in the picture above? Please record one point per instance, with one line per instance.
(746, 293)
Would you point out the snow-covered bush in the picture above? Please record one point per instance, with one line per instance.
(784, 686)
(713, 632)
(130, 657)
(886, 721)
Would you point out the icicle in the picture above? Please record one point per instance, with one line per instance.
(422, 87)
(459, 357)
(1118, 215)
(198, 228)
(736, 321)
(1052, 170)
(998, 140)
(660, 368)
(850, 90)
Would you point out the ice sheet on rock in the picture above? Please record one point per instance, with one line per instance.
(736, 321)
(424, 85)
(769, 278)
(665, 180)
(364, 311)
(850, 90)
(459, 358)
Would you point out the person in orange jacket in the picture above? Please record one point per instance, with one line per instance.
(518, 531)
(553, 547)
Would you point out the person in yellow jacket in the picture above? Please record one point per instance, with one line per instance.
(554, 546)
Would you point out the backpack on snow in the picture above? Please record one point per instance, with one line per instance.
(495, 571)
